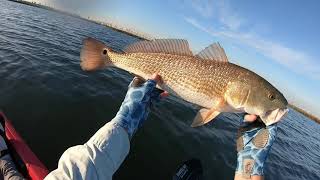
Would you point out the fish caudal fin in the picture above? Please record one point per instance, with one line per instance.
(94, 55)
(204, 116)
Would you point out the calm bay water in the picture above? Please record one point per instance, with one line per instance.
(55, 105)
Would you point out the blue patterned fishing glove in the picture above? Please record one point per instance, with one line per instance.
(253, 145)
(136, 105)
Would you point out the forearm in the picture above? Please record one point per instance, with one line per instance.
(102, 155)
(99, 158)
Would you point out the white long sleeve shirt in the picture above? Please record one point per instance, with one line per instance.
(99, 158)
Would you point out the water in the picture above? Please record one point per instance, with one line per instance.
(55, 105)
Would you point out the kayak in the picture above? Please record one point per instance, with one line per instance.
(26, 161)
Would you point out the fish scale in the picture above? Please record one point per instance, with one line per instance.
(183, 71)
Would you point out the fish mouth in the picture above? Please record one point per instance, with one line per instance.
(273, 116)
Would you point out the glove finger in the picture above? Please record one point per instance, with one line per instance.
(241, 116)
(156, 95)
(248, 126)
(150, 83)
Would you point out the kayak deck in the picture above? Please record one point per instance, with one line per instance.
(25, 159)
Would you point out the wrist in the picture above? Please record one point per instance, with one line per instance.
(254, 177)
(248, 166)
(126, 123)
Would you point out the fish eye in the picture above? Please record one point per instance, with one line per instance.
(104, 52)
(271, 97)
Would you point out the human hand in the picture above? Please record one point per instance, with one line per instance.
(136, 105)
(253, 145)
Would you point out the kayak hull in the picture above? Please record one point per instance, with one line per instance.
(35, 169)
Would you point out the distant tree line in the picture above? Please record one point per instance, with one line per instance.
(305, 113)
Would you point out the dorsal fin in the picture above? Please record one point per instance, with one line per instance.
(169, 46)
(213, 52)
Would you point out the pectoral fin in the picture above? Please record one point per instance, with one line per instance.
(204, 116)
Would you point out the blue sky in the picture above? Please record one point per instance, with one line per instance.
(276, 39)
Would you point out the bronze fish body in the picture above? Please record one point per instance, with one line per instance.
(206, 79)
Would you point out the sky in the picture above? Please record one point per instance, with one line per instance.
(276, 39)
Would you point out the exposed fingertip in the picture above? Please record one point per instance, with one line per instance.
(157, 78)
(250, 117)
(164, 94)
(154, 76)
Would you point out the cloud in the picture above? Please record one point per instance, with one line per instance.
(230, 25)
(73, 6)
(195, 23)
(218, 9)
(293, 59)
(228, 17)
(204, 7)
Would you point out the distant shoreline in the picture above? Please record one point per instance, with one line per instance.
(305, 113)
(77, 16)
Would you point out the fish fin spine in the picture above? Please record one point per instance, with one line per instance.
(213, 52)
(168, 46)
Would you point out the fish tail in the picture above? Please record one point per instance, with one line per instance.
(94, 55)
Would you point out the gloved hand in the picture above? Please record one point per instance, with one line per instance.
(253, 145)
(136, 105)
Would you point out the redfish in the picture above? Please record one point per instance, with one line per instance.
(207, 79)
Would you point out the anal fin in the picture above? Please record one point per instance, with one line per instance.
(204, 116)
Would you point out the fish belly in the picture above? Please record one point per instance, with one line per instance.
(189, 95)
